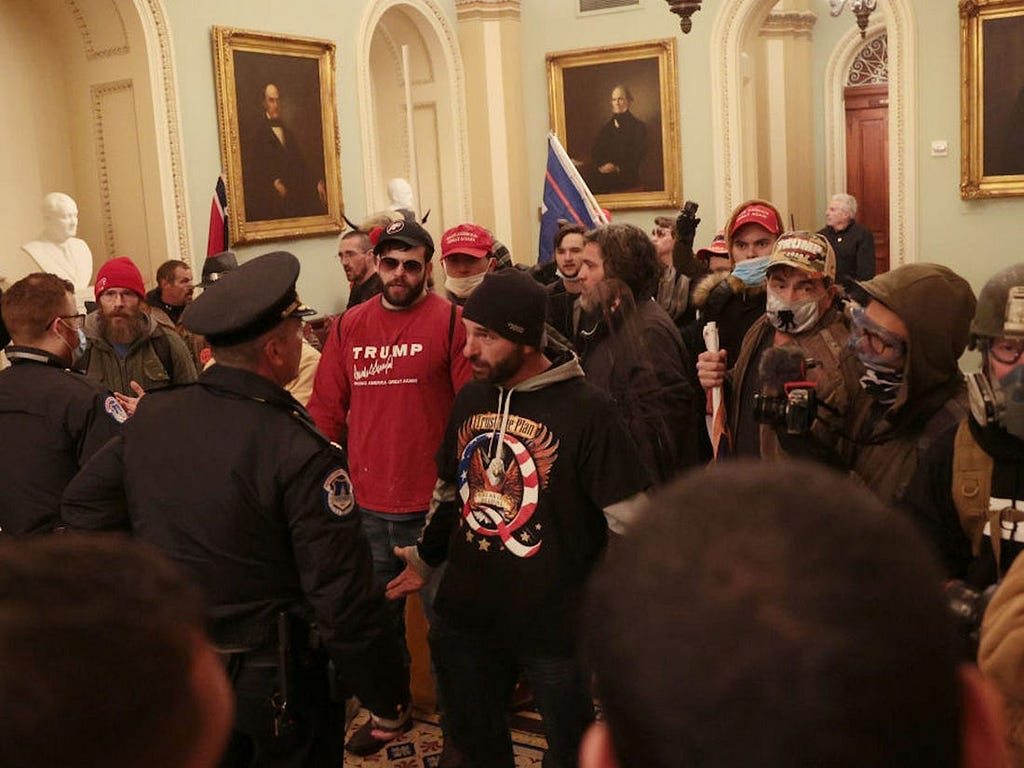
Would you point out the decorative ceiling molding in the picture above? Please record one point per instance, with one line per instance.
(91, 51)
(488, 10)
(789, 24)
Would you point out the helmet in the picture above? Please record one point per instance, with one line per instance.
(1000, 311)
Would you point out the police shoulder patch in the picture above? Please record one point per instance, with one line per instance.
(115, 410)
(338, 494)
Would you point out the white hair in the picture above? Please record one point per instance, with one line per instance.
(848, 203)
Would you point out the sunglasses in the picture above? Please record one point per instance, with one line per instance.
(411, 266)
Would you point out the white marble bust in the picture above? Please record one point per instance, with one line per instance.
(400, 194)
(57, 250)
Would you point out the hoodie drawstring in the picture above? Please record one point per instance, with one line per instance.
(496, 467)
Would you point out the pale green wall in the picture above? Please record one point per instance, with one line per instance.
(975, 237)
(554, 25)
(322, 283)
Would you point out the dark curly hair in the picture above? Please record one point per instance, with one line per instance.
(629, 255)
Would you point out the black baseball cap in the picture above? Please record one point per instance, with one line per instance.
(408, 233)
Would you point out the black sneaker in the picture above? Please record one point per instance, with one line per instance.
(364, 743)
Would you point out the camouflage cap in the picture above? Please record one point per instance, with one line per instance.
(806, 251)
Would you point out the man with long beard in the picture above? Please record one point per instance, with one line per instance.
(129, 351)
(388, 376)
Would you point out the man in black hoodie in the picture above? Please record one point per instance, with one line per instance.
(534, 470)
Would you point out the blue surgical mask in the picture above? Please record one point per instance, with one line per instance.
(752, 271)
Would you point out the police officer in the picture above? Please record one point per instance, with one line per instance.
(52, 418)
(232, 480)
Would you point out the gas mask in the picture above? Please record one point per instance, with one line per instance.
(999, 403)
(791, 317)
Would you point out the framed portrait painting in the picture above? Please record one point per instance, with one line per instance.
(991, 98)
(616, 111)
(278, 134)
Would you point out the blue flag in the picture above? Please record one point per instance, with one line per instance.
(566, 197)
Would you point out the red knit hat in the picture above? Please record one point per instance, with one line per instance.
(120, 273)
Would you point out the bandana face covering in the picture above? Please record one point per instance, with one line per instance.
(882, 384)
(795, 317)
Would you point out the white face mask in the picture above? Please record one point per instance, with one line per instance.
(462, 286)
(793, 318)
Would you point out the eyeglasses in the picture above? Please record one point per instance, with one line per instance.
(1006, 351)
(656, 232)
(72, 321)
(411, 266)
(126, 296)
(871, 338)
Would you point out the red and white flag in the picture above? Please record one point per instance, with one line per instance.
(217, 239)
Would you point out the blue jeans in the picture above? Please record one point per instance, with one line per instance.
(477, 680)
(384, 534)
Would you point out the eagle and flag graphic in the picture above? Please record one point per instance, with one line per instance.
(502, 468)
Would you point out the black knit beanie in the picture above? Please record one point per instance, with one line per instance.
(510, 303)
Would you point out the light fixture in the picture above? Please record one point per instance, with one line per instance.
(861, 9)
(684, 9)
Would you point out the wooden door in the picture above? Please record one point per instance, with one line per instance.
(867, 162)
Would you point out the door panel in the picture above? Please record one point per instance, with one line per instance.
(867, 162)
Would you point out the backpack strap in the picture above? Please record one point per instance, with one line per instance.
(972, 488)
(162, 347)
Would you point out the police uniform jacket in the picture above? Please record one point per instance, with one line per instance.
(231, 479)
(52, 420)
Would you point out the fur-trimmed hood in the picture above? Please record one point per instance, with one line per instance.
(709, 282)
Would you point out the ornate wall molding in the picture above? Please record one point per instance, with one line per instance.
(434, 26)
(789, 24)
(97, 94)
(91, 52)
(168, 124)
(488, 10)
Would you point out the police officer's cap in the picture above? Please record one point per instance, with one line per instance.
(248, 301)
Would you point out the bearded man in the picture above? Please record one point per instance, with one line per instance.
(128, 350)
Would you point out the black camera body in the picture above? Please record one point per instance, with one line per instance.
(968, 604)
(795, 409)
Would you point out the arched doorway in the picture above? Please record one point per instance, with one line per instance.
(99, 121)
(734, 24)
(433, 142)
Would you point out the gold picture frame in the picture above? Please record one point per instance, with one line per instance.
(605, 147)
(279, 142)
(991, 98)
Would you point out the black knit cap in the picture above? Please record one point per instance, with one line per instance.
(248, 301)
(510, 303)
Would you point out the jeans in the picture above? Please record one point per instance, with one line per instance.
(477, 680)
(384, 534)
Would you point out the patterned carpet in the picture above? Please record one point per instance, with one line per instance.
(421, 747)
